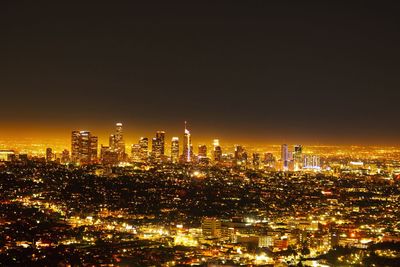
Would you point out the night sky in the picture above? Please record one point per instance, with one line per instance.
(255, 71)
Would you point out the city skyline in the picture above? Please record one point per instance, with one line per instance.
(200, 133)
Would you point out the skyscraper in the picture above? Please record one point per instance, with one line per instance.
(187, 146)
(117, 143)
(136, 155)
(83, 147)
(297, 157)
(144, 148)
(240, 155)
(217, 151)
(156, 148)
(175, 149)
(285, 157)
(160, 135)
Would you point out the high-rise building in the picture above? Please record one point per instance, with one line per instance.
(117, 143)
(269, 160)
(240, 155)
(297, 157)
(160, 135)
(211, 227)
(217, 151)
(202, 151)
(256, 160)
(175, 149)
(187, 146)
(144, 148)
(285, 157)
(83, 147)
(49, 154)
(156, 148)
(136, 155)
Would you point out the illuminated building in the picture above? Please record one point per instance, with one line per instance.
(83, 147)
(156, 148)
(144, 148)
(217, 151)
(211, 227)
(269, 160)
(135, 153)
(49, 154)
(117, 143)
(7, 155)
(285, 157)
(297, 157)
(256, 160)
(187, 146)
(175, 149)
(160, 135)
(202, 151)
(240, 155)
(108, 157)
(311, 162)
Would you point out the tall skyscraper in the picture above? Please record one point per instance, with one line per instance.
(83, 147)
(117, 143)
(136, 155)
(175, 149)
(297, 157)
(285, 157)
(187, 146)
(217, 151)
(160, 135)
(144, 148)
(240, 155)
(156, 148)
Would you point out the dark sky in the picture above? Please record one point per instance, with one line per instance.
(252, 70)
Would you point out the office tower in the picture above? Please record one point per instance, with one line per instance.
(217, 151)
(285, 157)
(256, 160)
(94, 143)
(297, 157)
(187, 146)
(202, 151)
(269, 160)
(156, 148)
(117, 143)
(75, 146)
(312, 162)
(83, 147)
(160, 135)
(49, 154)
(144, 148)
(174, 149)
(211, 227)
(135, 151)
(240, 155)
